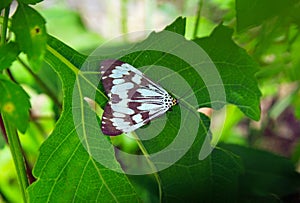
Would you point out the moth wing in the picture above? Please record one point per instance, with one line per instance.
(134, 98)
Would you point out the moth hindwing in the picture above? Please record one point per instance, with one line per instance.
(134, 100)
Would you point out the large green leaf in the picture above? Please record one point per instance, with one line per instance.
(266, 175)
(214, 179)
(75, 155)
(14, 103)
(65, 171)
(29, 27)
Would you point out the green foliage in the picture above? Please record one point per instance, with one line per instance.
(178, 26)
(4, 3)
(29, 1)
(245, 10)
(8, 54)
(9, 186)
(236, 68)
(67, 167)
(52, 163)
(14, 103)
(64, 153)
(30, 30)
(67, 25)
(262, 177)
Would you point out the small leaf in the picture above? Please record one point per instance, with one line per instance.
(4, 3)
(30, 30)
(30, 1)
(8, 54)
(236, 69)
(14, 102)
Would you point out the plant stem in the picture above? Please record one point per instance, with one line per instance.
(151, 165)
(16, 152)
(11, 76)
(4, 26)
(199, 8)
(10, 132)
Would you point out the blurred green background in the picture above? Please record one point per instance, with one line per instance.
(84, 25)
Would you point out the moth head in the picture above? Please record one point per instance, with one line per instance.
(174, 102)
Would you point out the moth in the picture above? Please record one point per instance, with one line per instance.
(134, 99)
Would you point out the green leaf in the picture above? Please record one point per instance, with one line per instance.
(77, 153)
(265, 174)
(14, 103)
(30, 30)
(214, 179)
(8, 54)
(178, 26)
(4, 3)
(64, 169)
(263, 10)
(237, 70)
(30, 1)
